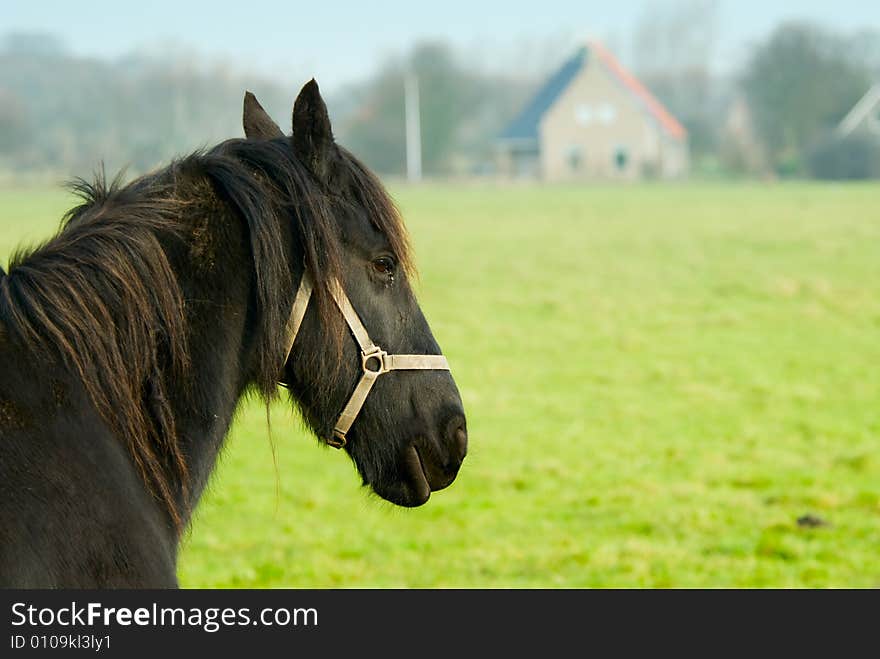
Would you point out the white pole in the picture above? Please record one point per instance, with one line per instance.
(413, 128)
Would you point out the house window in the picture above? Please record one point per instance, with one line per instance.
(583, 114)
(606, 113)
(574, 157)
(621, 158)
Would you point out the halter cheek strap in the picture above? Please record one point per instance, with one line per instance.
(374, 360)
(300, 304)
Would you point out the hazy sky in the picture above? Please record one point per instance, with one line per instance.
(340, 42)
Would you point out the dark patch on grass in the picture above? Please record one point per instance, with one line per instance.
(811, 522)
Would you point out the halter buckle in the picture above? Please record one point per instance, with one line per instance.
(375, 355)
(338, 439)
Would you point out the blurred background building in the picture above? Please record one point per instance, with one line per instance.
(593, 119)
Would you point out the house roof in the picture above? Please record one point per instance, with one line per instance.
(525, 126)
(860, 111)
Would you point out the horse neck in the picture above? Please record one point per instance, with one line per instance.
(219, 289)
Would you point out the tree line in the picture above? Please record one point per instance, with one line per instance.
(774, 116)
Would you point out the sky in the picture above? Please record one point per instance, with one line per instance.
(341, 42)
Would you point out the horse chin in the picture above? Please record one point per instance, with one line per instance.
(412, 488)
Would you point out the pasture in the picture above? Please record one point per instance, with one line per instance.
(660, 381)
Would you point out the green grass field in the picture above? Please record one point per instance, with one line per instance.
(659, 382)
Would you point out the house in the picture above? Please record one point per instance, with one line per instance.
(864, 118)
(593, 119)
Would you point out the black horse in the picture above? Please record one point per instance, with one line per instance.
(128, 340)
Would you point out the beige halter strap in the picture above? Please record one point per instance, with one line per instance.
(374, 360)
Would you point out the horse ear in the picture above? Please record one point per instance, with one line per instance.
(258, 125)
(312, 135)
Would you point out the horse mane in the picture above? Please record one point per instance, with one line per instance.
(102, 296)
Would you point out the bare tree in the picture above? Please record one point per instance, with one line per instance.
(800, 83)
(676, 37)
(673, 46)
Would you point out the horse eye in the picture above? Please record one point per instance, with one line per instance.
(384, 265)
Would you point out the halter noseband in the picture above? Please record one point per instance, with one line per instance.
(374, 360)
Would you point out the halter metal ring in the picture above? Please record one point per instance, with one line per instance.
(376, 353)
(338, 440)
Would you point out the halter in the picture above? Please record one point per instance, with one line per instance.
(374, 360)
